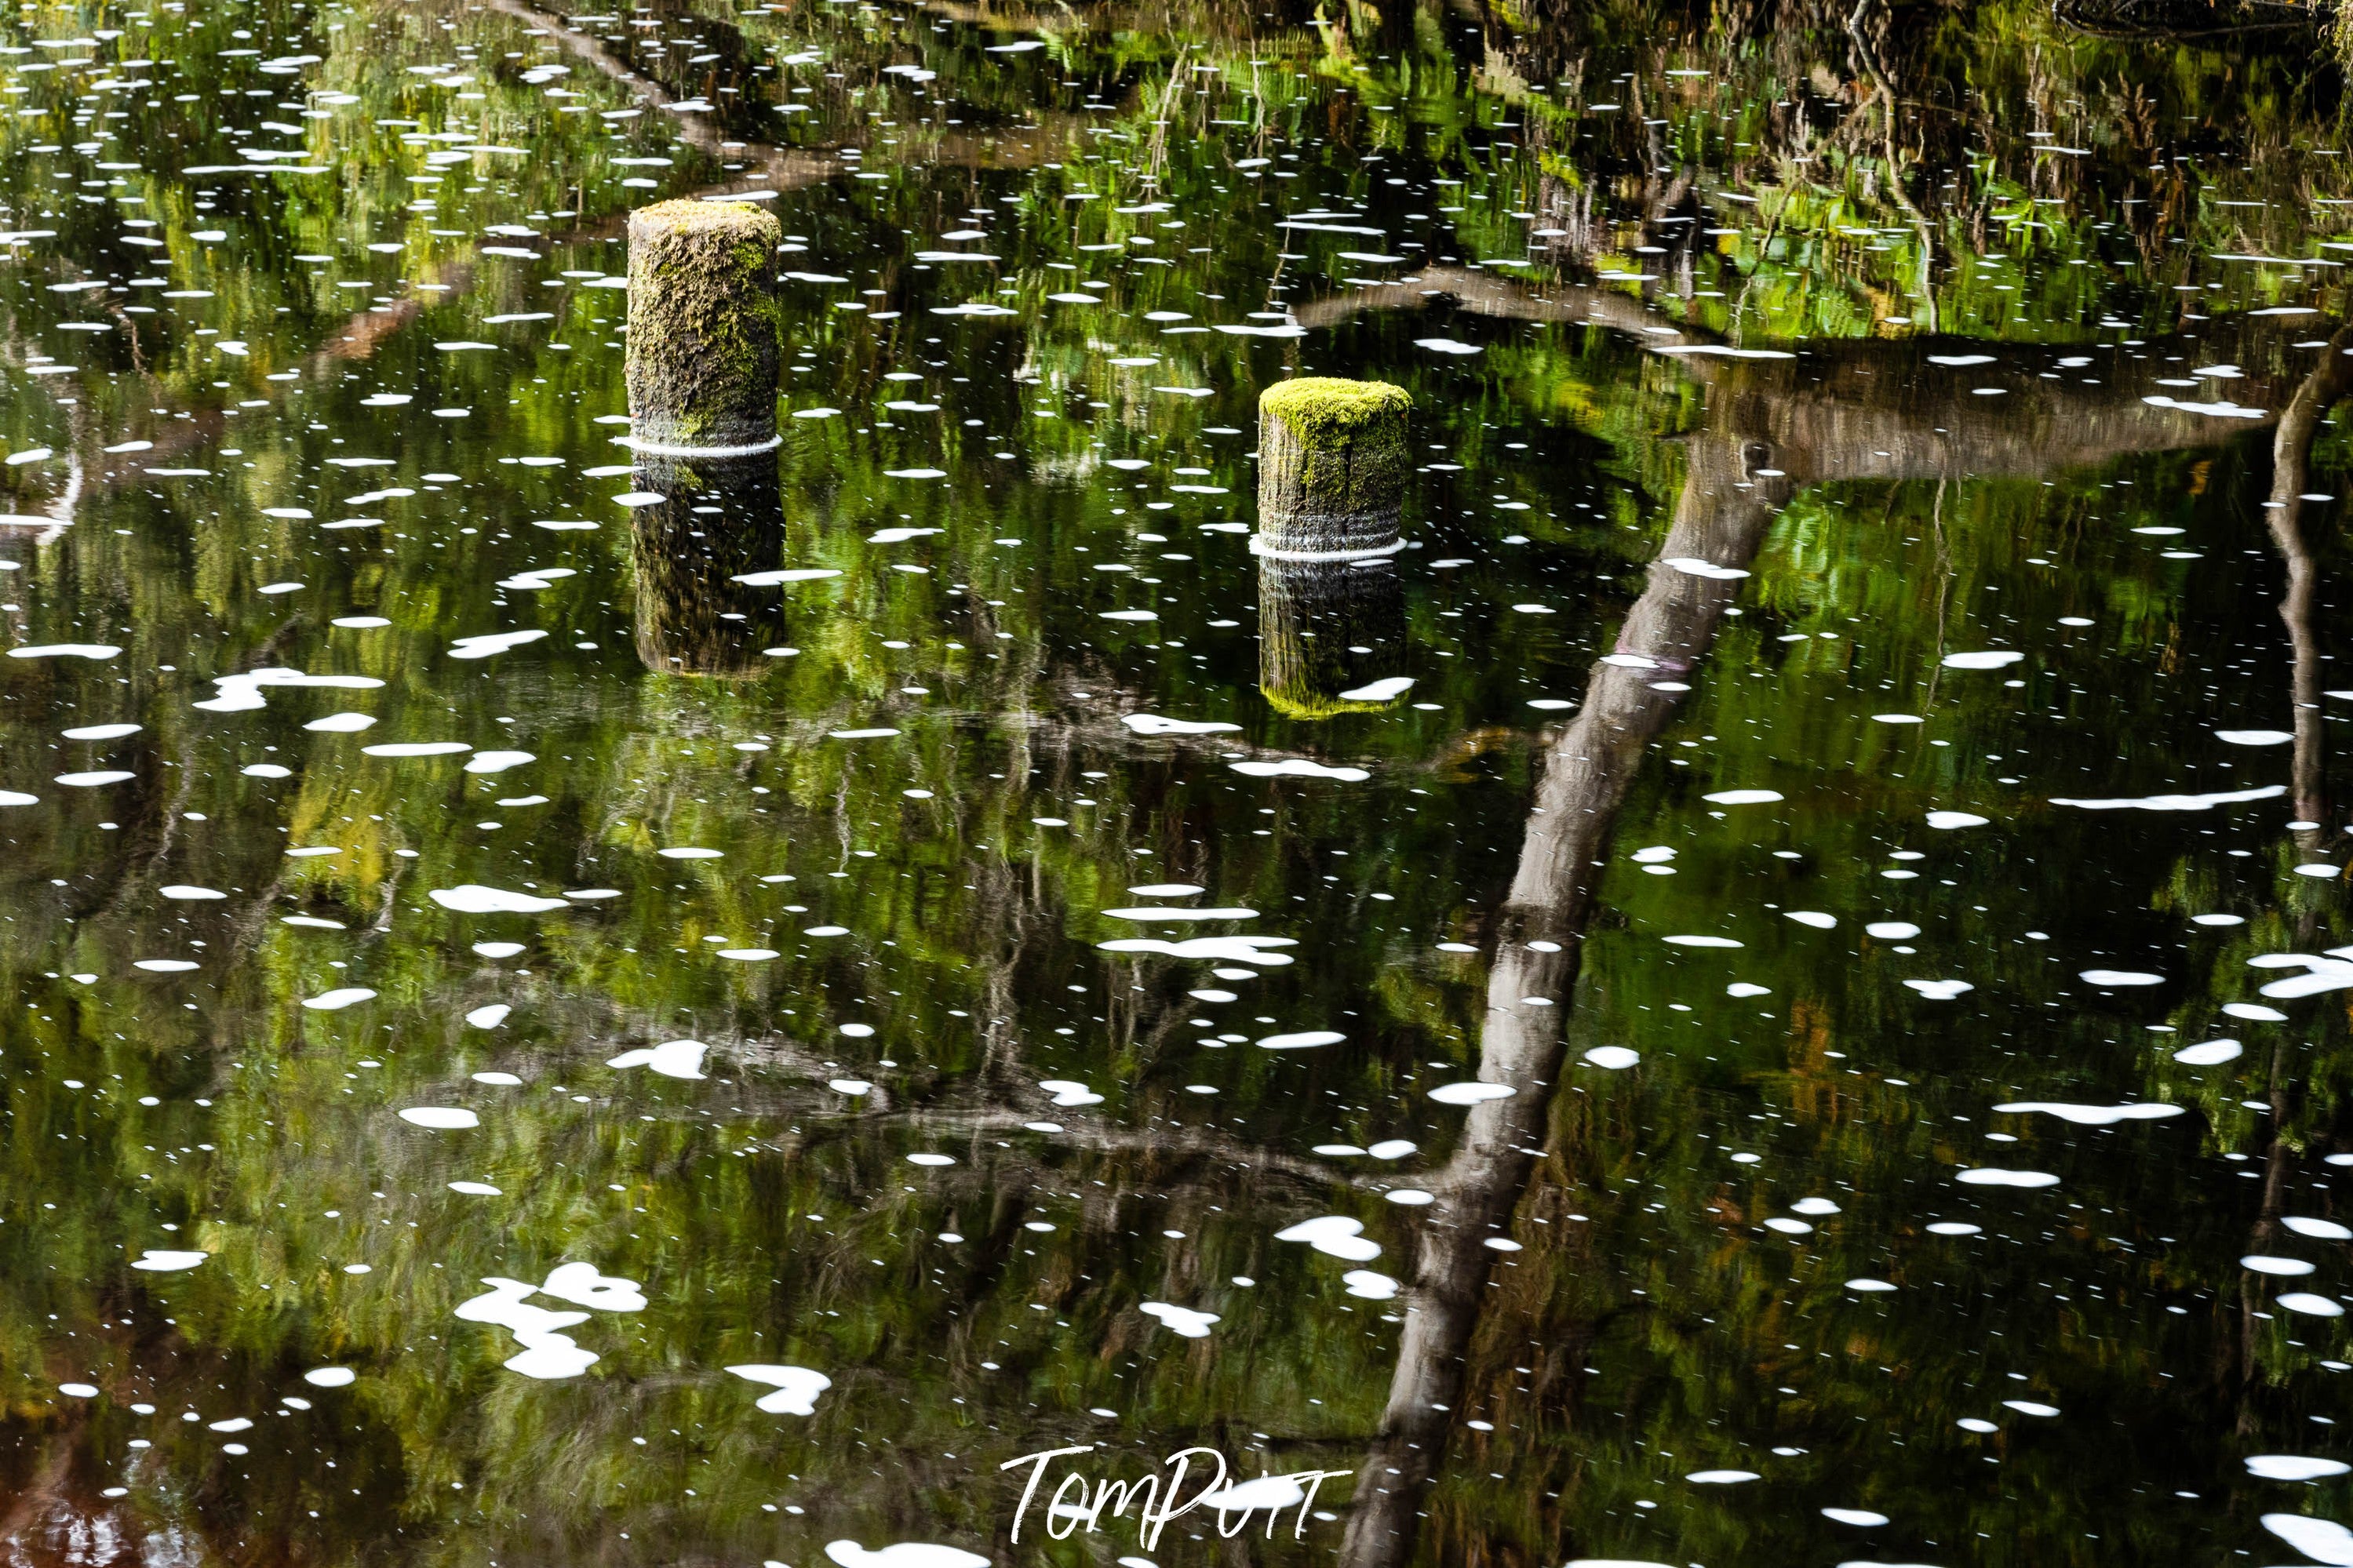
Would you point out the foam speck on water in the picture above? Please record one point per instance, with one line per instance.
(2093, 1115)
(336, 1000)
(330, 1377)
(1743, 797)
(1995, 658)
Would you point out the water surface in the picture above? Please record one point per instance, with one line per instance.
(1768, 991)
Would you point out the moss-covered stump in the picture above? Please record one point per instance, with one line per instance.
(722, 519)
(1331, 636)
(1331, 466)
(705, 327)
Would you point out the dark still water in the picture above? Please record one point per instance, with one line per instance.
(1771, 989)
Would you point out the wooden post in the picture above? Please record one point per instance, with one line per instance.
(705, 329)
(1332, 468)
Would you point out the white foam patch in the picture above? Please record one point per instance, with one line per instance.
(903, 1555)
(1335, 1236)
(167, 1262)
(184, 891)
(1177, 913)
(2174, 802)
(2322, 1540)
(488, 1017)
(1687, 940)
(1369, 1285)
(484, 645)
(1995, 1176)
(2120, 977)
(2254, 737)
(330, 1377)
(1991, 659)
(474, 899)
(1948, 820)
(1229, 949)
(1720, 1477)
(398, 749)
(1814, 918)
(1182, 1321)
(671, 1058)
(1300, 767)
(1069, 1093)
(2294, 1468)
(1155, 724)
(2093, 1115)
(1470, 1093)
(1613, 1059)
(242, 693)
(498, 761)
(440, 1118)
(1940, 990)
(338, 999)
(796, 1387)
(1743, 797)
(98, 650)
(1302, 1040)
(2210, 1053)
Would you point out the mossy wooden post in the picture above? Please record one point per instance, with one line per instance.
(705, 329)
(1331, 466)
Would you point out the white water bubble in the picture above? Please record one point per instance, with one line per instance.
(1720, 1477)
(1993, 658)
(330, 1377)
(1302, 1040)
(2120, 977)
(476, 1189)
(1743, 797)
(338, 999)
(1948, 820)
(1613, 1059)
(2280, 1267)
(184, 891)
(1892, 930)
(440, 1118)
(1861, 1517)
(1814, 918)
(1940, 990)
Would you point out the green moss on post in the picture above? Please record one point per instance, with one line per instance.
(1331, 466)
(705, 327)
